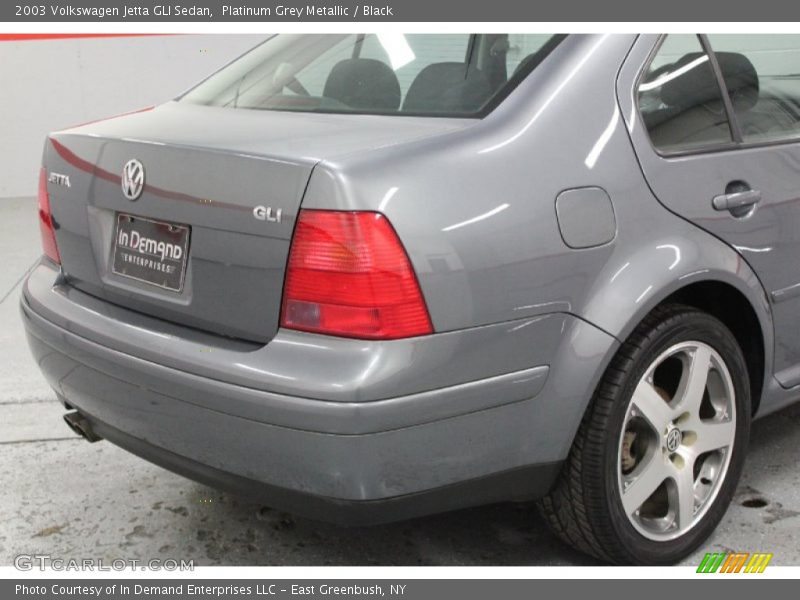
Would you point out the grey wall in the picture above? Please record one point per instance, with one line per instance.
(46, 85)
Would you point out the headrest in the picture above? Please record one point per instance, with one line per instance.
(698, 85)
(741, 78)
(363, 83)
(448, 87)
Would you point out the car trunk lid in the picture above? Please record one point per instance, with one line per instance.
(223, 185)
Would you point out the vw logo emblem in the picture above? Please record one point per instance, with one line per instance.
(133, 179)
(674, 439)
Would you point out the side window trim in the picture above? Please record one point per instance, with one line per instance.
(733, 121)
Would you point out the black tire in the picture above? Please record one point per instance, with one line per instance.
(585, 508)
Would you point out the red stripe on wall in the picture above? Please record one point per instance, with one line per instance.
(22, 37)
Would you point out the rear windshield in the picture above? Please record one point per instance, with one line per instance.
(397, 74)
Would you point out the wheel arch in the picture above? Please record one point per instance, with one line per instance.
(729, 305)
(700, 272)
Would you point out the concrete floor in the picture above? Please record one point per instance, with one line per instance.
(64, 497)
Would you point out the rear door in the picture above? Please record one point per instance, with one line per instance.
(716, 126)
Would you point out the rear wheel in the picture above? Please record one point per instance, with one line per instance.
(659, 452)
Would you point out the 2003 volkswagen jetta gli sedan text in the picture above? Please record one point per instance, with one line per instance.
(369, 277)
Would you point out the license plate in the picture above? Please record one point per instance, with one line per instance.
(150, 251)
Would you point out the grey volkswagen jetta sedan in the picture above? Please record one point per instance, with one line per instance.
(369, 277)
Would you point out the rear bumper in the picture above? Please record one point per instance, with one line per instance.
(521, 483)
(493, 438)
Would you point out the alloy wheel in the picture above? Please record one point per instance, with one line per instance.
(676, 441)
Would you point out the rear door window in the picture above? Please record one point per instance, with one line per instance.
(680, 99)
(762, 74)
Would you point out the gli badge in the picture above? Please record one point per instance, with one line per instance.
(267, 213)
(133, 179)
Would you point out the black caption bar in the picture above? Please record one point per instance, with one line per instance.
(374, 589)
(399, 11)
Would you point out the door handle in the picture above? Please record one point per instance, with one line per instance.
(736, 200)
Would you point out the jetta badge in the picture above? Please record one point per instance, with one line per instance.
(133, 179)
(59, 179)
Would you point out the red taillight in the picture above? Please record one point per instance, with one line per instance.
(348, 275)
(46, 220)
